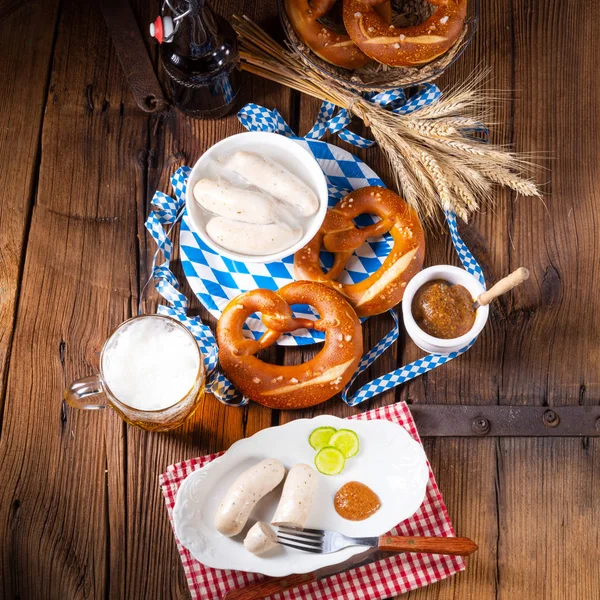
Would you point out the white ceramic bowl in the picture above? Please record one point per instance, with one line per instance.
(453, 275)
(284, 151)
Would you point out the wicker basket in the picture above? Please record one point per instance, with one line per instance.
(378, 77)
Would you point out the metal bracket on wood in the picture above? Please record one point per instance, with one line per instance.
(443, 420)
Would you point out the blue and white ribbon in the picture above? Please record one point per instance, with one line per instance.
(421, 365)
(256, 118)
(168, 211)
(166, 214)
(395, 100)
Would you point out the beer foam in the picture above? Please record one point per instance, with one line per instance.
(150, 363)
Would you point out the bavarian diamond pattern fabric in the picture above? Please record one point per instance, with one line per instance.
(398, 376)
(328, 120)
(467, 259)
(167, 212)
(428, 94)
(216, 280)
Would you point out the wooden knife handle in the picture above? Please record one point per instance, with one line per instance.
(428, 545)
(264, 589)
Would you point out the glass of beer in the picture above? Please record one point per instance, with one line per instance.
(151, 373)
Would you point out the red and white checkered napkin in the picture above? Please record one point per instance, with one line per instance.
(395, 575)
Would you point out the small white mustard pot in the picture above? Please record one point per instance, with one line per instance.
(453, 275)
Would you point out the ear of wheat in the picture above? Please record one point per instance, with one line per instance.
(435, 162)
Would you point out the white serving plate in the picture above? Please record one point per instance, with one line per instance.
(390, 462)
(282, 150)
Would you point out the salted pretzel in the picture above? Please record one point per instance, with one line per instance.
(404, 46)
(338, 234)
(334, 47)
(292, 386)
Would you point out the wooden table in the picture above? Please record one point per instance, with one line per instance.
(81, 514)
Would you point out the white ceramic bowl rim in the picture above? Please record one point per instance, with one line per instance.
(255, 139)
(457, 275)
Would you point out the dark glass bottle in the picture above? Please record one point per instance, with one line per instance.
(201, 61)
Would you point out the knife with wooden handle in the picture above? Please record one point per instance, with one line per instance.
(277, 585)
(430, 545)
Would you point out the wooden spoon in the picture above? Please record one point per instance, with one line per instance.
(504, 285)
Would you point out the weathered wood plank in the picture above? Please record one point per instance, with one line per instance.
(555, 343)
(522, 357)
(538, 525)
(548, 536)
(26, 40)
(468, 484)
(152, 560)
(64, 469)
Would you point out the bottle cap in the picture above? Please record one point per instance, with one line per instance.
(162, 29)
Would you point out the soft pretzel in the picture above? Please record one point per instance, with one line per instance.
(404, 46)
(293, 386)
(338, 234)
(332, 46)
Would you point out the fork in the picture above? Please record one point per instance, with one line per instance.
(324, 542)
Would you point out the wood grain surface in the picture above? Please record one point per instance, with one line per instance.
(23, 97)
(81, 514)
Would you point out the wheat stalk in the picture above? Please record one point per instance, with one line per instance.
(435, 161)
(431, 128)
(508, 179)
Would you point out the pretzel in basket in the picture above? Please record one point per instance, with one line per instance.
(404, 46)
(333, 46)
(383, 289)
(292, 386)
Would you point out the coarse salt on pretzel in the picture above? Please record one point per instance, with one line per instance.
(291, 386)
(332, 46)
(383, 289)
(404, 46)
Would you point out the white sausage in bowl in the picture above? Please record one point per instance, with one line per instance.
(247, 238)
(244, 493)
(223, 198)
(276, 180)
(296, 499)
(260, 538)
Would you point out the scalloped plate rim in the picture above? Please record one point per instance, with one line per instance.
(290, 561)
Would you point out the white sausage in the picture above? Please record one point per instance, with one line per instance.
(222, 198)
(296, 499)
(252, 239)
(274, 179)
(245, 492)
(260, 538)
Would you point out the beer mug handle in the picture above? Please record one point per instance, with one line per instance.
(85, 394)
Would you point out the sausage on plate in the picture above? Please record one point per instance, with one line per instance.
(260, 538)
(245, 492)
(296, 499)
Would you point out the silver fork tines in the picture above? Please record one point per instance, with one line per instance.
(319, 541)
